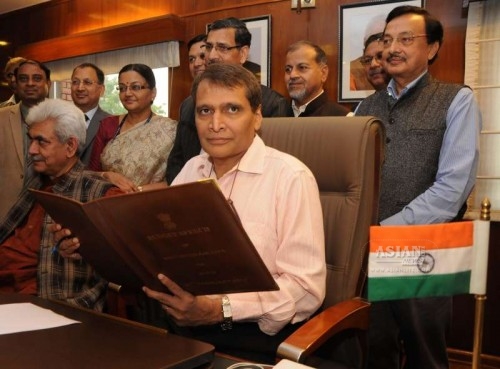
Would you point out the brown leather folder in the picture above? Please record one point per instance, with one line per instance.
(188, 232)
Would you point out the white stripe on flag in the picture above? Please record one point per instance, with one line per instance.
(480, 257)
(405, 264)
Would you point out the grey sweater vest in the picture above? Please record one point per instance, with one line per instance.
(415, 125)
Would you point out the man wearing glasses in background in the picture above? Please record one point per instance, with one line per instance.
(228, 41)
(429, 170)
(358, 78)
(87, 87)
(372, 62)
(33, 83)
(9, 74)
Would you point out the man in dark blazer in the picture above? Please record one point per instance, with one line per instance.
(87, 87)
(33, 83)
(306, 70)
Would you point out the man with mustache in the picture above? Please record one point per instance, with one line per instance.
(306, 70)
(358, 78)
(29, 263)
(33, 83)
(372, 62)
(429, 171)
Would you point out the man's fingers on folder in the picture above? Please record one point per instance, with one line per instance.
(73, 256)
(171, 285)
(58, 231)
(168, 301)
(158, 296)
(68, 247)
(183, 307)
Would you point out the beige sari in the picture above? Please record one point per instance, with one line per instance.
(141, 153)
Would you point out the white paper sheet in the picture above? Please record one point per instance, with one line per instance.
(287, 364)
(29, 317)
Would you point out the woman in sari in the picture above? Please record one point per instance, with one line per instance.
(131, 150)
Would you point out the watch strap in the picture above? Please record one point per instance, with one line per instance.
(227, 314)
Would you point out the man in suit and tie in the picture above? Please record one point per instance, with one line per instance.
(33, 83)
(87, 87)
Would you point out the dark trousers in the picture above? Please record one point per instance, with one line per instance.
(415, 329)
(245, 340)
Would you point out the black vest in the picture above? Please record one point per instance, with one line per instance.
(415, 125)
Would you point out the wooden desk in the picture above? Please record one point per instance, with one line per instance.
(100, 341)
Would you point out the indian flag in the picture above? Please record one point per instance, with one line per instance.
(428, 260)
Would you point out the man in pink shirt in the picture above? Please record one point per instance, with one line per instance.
(277, 200)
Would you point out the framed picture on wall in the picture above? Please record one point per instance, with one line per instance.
(357, 22)
(259, 60)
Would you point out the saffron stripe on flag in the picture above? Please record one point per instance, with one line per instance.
(431, 236)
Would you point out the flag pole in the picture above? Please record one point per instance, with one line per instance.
(480, 300)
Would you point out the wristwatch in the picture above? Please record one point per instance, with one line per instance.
(227, 320)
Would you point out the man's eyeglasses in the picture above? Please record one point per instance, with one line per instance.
(220, 48)
(367, 59)
(133, 88)
(404, 38)
(85, 82)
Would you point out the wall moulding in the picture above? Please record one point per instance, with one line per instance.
(153, 30)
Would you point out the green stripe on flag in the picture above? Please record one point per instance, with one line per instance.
(395, 288)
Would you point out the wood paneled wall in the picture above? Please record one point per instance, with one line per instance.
(58, 18)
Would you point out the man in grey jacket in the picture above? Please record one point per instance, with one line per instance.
(429, 171)
(87, 87)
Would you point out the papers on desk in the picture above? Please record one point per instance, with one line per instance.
(283, 364)
(287, 364)
(29, 317)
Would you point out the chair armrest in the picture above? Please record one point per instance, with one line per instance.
(311, 335)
